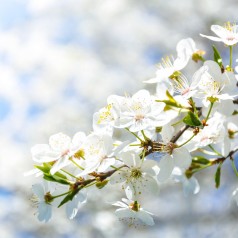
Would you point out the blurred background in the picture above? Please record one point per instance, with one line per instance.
(59, 61)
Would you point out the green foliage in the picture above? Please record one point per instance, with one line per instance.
(218, 176)
(70, 196)
(101, 184)
(217, 56)
(170, 102)
(201, 160)
(191, 119)
(57, 177)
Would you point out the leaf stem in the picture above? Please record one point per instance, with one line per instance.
(134, 134)
(77, 165)
(186, 141)
(69, 173)
(231, 48)
(234, 167)
(215, 151)
(60, 195)
(209, 112)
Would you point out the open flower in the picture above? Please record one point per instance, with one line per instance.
(186, 89)
(133, 214)
(137, 176)
(172, 156)
(190, 186)
(227, 34)
(43, 200)
(59, 150)
(140, 112)
(75, 204)
(99, 153)
(213, 83)
(169, 66)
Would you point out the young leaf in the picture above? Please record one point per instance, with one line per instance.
(54, 178)
(170, 102)
(201, 160)
(192, 120)
(218, 176)
(101, 185)
(217, 56)
(70, 196)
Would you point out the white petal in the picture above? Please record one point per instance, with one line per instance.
(107, 144)
(214, 38)
(59, 164)
(73, 206)
(167, 133)
(44, 212)
(148, 167)
(187, 45)
(145, 217)
(190, 186)
(182, 157)
(214, 70)
(153, 80)
(181, 60)
(59, 142)
(43, 153)
(220, 31)
(35, 172)
(129, 158)
(79, 138)
(118, 177)
(120, 204)
(38, 190)
(130, 193)
(226, 107)
(124, 212)
(166, 166)
(105, 164)
(197, 76)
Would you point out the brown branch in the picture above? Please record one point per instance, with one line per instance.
(98, 176)
(177, 136)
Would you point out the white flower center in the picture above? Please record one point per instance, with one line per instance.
(136, 173)
(210, 86)
(180, 84)
(139, 117)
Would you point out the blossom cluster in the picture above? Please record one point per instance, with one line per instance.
(188, 125)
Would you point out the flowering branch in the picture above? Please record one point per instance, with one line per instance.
(187, 126)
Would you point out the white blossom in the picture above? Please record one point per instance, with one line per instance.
(227, 34)
(137, 177)
(59, 150)
(172, 156)
(185, 49)
(43, 200)
(133, 214)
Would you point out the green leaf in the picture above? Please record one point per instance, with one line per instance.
(235, 113)
(218, 176)
(60, 180)
(54, 178)
(171, 102)
(57, 177)
(70, 196)
(217, 56)
(201, 160)
(58, 174)
(192, 120)
(101, 185)
(49, 178)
